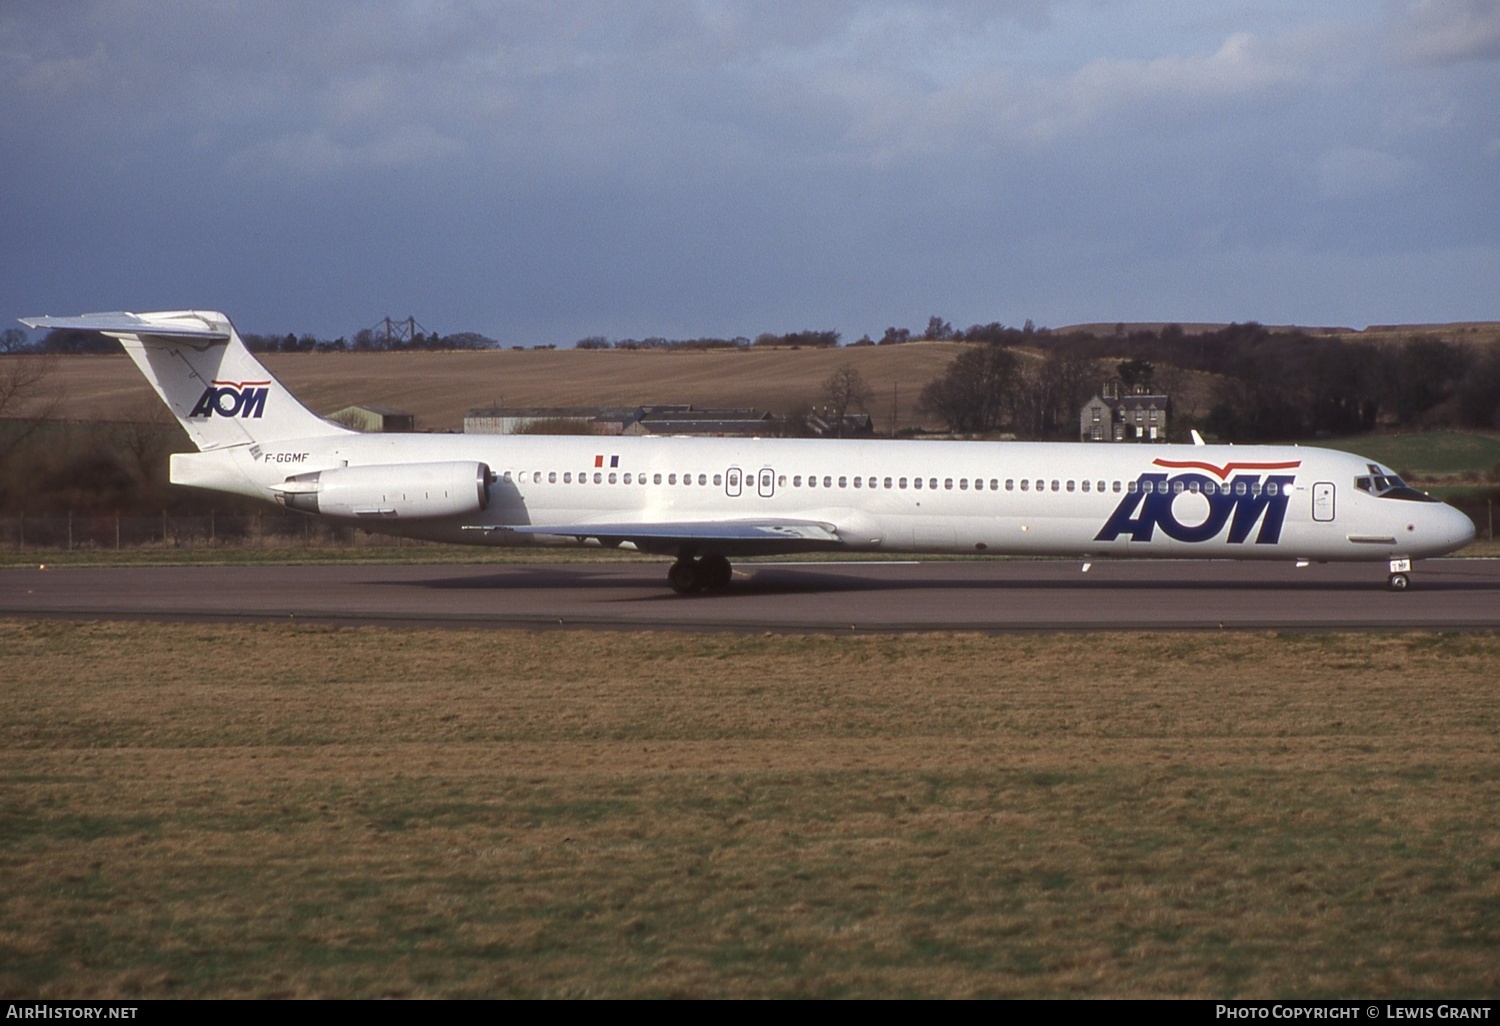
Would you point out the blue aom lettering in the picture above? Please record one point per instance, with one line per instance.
(1239, 504)
(230, 400)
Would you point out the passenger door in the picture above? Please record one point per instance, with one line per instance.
(1322, 502)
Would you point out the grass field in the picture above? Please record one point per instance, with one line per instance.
(1429, 455)
(441, 387)
(295, 811)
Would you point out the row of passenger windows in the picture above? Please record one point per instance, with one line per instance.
(915, 483)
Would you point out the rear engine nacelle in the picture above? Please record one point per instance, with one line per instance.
(409, 491)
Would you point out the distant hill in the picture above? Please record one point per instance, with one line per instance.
(441, 387)
(1476, 331)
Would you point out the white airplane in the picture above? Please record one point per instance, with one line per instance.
(703, 500)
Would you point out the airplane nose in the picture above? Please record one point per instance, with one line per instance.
(1460, 528)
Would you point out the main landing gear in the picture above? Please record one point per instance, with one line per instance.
(706, 573)
(1398, 580)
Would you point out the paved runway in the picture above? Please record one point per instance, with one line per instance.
(990, 596)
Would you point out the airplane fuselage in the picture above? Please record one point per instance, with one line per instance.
(1060, 499)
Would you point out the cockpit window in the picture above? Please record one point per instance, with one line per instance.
(1389, 486)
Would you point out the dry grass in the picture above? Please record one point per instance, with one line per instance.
(277, 810)
(441, 387)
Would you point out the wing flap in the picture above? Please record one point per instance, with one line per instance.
(689, 531)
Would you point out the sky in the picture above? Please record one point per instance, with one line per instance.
(546, 171)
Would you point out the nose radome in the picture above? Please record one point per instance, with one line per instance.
(1461, 528)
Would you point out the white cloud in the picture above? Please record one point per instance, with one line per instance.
(999, 106)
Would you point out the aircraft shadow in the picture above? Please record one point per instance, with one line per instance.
(755, 582)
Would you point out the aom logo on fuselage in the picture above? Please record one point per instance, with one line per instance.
(232, 399)
(1229, 499)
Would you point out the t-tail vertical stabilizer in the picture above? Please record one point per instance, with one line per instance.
(220, 393)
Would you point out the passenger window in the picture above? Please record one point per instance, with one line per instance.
(797, 481)
(932, 482)
(979, 484)
(656, 479)
(948, 484)
(917, 483)
(827, 482)
(887, 482)
(781, 481)
(812, 482)
(1085, 486)
(703, 479)
(626, 479)
(1070, 486)
(611, 478)
(856, 482)
(1116, 488)
(1025, 484)
(1272, 488)
(902, 483)
(568, 477)
(671, 479)
(843, 482)
(506, 475)
(1055, 486)
(1010, 484)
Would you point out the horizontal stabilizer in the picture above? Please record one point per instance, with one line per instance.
(184, 324)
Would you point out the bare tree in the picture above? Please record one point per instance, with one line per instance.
(23, 390)
(845, 389)
(146, 438)
(976, 390)
(26, 401)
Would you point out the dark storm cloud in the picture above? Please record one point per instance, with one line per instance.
(546, 171)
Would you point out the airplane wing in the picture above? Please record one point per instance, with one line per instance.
(737, 533)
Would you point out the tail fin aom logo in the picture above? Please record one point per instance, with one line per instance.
(1232, 499)
(232, 399)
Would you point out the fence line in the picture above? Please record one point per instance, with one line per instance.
(111, 531)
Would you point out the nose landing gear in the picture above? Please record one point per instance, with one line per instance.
(1398, 580)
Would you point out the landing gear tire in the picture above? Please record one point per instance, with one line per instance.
(1398, 582)
(683, 577)
(715, 572)
(708, 573)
